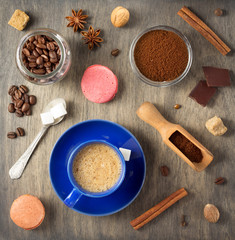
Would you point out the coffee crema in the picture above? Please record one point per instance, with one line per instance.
(97, 167)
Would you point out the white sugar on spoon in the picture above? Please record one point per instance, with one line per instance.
(17, 169)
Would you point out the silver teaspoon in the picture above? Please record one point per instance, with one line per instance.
(17, 169)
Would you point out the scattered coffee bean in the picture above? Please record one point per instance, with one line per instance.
(11, 90)
(29, 112)
(32, 99)
(18, 94)
(11, 135)
(11, 108)
(19, 103)
(13, 99)
(164, 170)
(26, 98)
(38, 51)
(219, 180)
(218, 12)
(23, 89)
(115, 52)
(19, 113)
(177, 106)
(25, 107)
(183, 223)
(20, 132)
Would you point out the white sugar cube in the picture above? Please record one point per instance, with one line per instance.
(58, 111)
(47, 118)
(126, 153)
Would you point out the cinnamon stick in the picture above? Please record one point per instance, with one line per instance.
(158, 209)
(203, 29)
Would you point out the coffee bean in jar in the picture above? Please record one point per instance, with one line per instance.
(41, 54)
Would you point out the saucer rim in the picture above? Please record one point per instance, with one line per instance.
(143, 158)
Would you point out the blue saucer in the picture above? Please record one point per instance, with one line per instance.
(114, 134)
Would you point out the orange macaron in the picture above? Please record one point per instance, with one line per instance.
(27, 212)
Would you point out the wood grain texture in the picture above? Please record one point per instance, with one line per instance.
(63, 223)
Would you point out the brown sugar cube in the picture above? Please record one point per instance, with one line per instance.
(215, 126)
(19, 20)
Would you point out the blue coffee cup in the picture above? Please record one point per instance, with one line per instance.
(78, 191)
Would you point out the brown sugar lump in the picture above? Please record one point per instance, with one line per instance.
(27, 212)
(215, 126)
(19, 20)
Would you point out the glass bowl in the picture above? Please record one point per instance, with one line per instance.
(155, 83)
(64, 64)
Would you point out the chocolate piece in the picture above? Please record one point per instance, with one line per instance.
(217, 77)
(202, 93)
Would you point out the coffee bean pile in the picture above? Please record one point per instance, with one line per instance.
(19, 132)
(41, 54)
(21, 101)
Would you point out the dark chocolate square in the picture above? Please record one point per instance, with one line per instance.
(217, 77)
(202, 93)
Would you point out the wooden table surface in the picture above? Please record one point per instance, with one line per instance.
(61, 222)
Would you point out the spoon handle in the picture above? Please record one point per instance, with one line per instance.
(17, 169)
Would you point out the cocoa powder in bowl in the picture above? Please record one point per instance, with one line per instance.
(161, 55)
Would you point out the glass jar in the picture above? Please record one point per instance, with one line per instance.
(165, 83)
(63, 66)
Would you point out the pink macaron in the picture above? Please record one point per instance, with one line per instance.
(99, 84)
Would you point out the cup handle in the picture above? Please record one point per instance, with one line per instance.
(72, 198)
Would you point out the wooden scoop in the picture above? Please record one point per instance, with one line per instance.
(148, 113)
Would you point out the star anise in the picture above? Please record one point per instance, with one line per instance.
(77, 20)
(91, 37)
